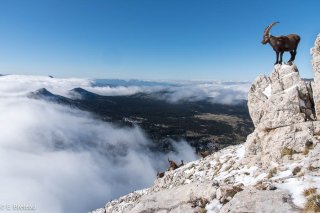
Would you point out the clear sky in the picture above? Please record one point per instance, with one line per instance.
(151, 39)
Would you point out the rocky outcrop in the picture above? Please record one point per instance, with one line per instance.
(281, 145)
(281, 99)
(282, 107)
(268, 173)
(315, 52)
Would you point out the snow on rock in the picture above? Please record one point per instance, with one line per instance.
(214, 206)
(267, 91)
(268, 173)
(215, 181)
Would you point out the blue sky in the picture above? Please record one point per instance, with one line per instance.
(151, 39)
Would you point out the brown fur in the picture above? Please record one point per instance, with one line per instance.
(172, 165)
(160, 174)
(205, 154)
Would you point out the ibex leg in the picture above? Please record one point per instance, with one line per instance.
(292, 56)
(277, 55)
(281, 54)
(295, 53)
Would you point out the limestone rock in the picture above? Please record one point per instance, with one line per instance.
(253, 200)
(257, 97)
(280, 100)
(315, 52)
(263, 147)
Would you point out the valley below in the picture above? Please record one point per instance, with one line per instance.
(204, 125)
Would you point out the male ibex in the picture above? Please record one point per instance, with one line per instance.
(172, 165)
(281, 44)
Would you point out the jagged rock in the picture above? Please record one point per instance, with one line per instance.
(315, 52)
(281, 99)
(257, 97)
(282, 108)
(253, 200)
(283, 77)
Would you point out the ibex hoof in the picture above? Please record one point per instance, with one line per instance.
(290, 63)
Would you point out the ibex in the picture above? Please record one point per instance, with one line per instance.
(281, 44)
(172, 165)
(181, 164)
(205, 153)
(160, 174)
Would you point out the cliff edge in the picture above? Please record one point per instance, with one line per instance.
(275, 170)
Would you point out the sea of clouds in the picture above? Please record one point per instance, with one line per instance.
(61, 159)
(174, 91)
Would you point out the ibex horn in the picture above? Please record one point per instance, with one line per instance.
(267, 30)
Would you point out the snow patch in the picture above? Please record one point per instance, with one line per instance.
(295, 187)
(214, 206)
(267, 91)
(240, 152)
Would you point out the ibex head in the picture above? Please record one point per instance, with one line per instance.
(266, 33)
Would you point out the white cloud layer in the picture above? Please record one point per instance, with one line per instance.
(63, 160)
(215, 92)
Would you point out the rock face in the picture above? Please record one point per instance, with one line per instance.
(282, 144)
(281, 99)
(268, 173)
(315, 52)
(283, 110)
